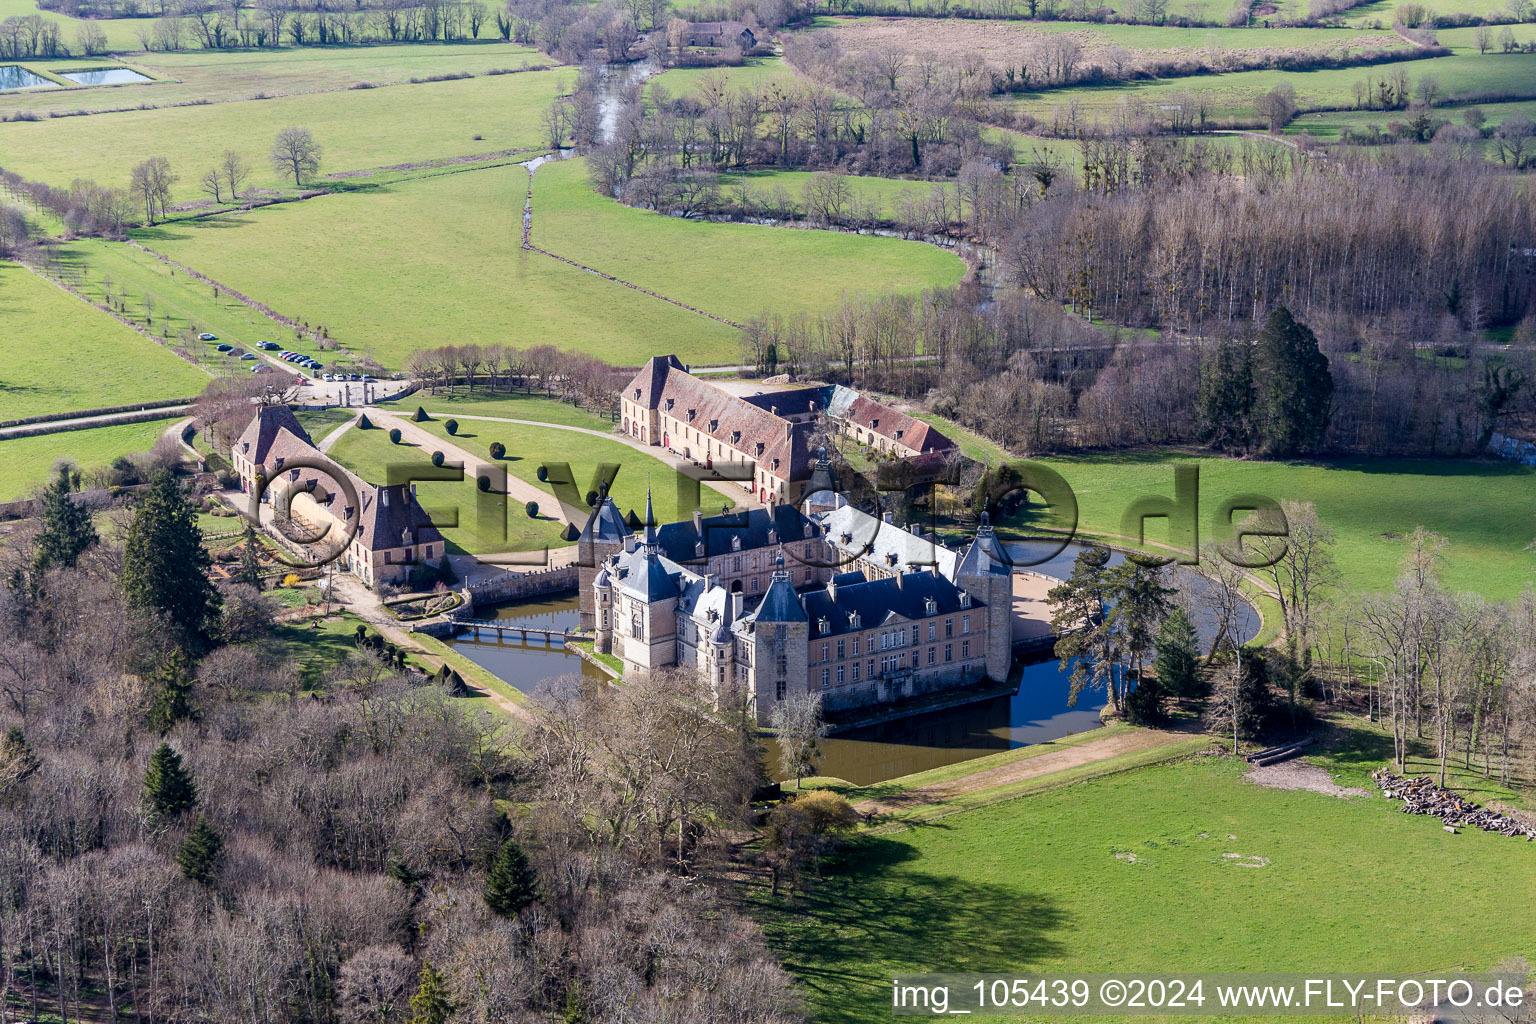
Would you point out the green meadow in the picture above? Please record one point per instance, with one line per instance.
(424, 263)
(717, 267)
(1329, 89)
(515, 406)
(58, 354)
(1328, 125)
(26, 462)
(1485, 509)
(358, 129)
(204, 76)
(529, 447)
(1135, 873)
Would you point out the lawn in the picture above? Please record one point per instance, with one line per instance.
(179, 302)
(1328, 125)
(58, 354)
(26, 462)
(119, 30)
(203, 75)
(530, 447)
(359, 129)
(1046, 884)
(1484, 509)
(882, 192)
(484, 522)
(756, 72)
(717, 267)
(515, 406)
(419, 264)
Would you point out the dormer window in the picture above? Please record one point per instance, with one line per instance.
(758, 449)
(775, 464)
(930, 606)
(698, 549)
(823, 626)
(873, 424)
(637, 394)
(773, 536)
(691, 414)
(735, 437)
(965, 599)
(853, 620)
(714, 425)
(899, 433)
(890, 558)
(669, 404)
(847, 537)
(736, 543)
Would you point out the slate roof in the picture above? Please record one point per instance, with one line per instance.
(605, 524)
(847, 404)
(381, 524)
(878, 601)
(757, 528)
(985, 555)
(780, 603)
(646, 575)
(857, 534)
(257, 437)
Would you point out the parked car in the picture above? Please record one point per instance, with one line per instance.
(249, 355)
(226, 348)
(207, 337)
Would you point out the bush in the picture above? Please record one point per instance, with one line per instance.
(364, 423)
(452, 426)
(420, 415)
(291, 580)
(484, 482)
(532, 508)
(570, 532)
(1144, 704)
(437, 459)
(592, 498)
(498, 450)
(543, 474)
(395, 435)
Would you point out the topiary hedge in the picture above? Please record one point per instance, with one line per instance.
(395, 435)
(437, 458)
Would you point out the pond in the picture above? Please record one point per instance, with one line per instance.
(528, 666)
(14, 77)
(1037, 712)
(105, 76)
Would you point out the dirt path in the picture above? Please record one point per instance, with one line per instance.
(363, 603)
(742, 498)
(1030, 767)
(518, 490)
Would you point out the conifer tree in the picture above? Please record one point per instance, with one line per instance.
(1224, 402)
(430, 1004)
(67, 529)
(201, 852)
(168, 786)
(165, 567)
(1295, 386)
(170, 691)
(1178, 654)
(511, 884)
(250, 567)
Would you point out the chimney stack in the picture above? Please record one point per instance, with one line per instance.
(384, 496)
(698, 522)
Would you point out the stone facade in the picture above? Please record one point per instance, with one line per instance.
(769, 603)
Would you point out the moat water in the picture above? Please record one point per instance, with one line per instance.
(1037, 712)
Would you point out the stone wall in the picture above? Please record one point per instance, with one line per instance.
(516, 586)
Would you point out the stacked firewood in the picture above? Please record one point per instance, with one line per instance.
(1421, 796)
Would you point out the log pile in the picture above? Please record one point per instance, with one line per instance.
(1421, 796)
(1274, 755)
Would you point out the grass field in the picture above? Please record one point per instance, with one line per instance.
(866, 190)
(1329, 125)
(25, 462)
(530, 447)
(756, 72)
(716, 267)
(119, 30)
(420, 264)
(515, 406)
(1045, 884)
(180, 302)
(1483, 508)
(205, 76)
(58, 354)
(484, 524)
(1333, 89)
(358, 129)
